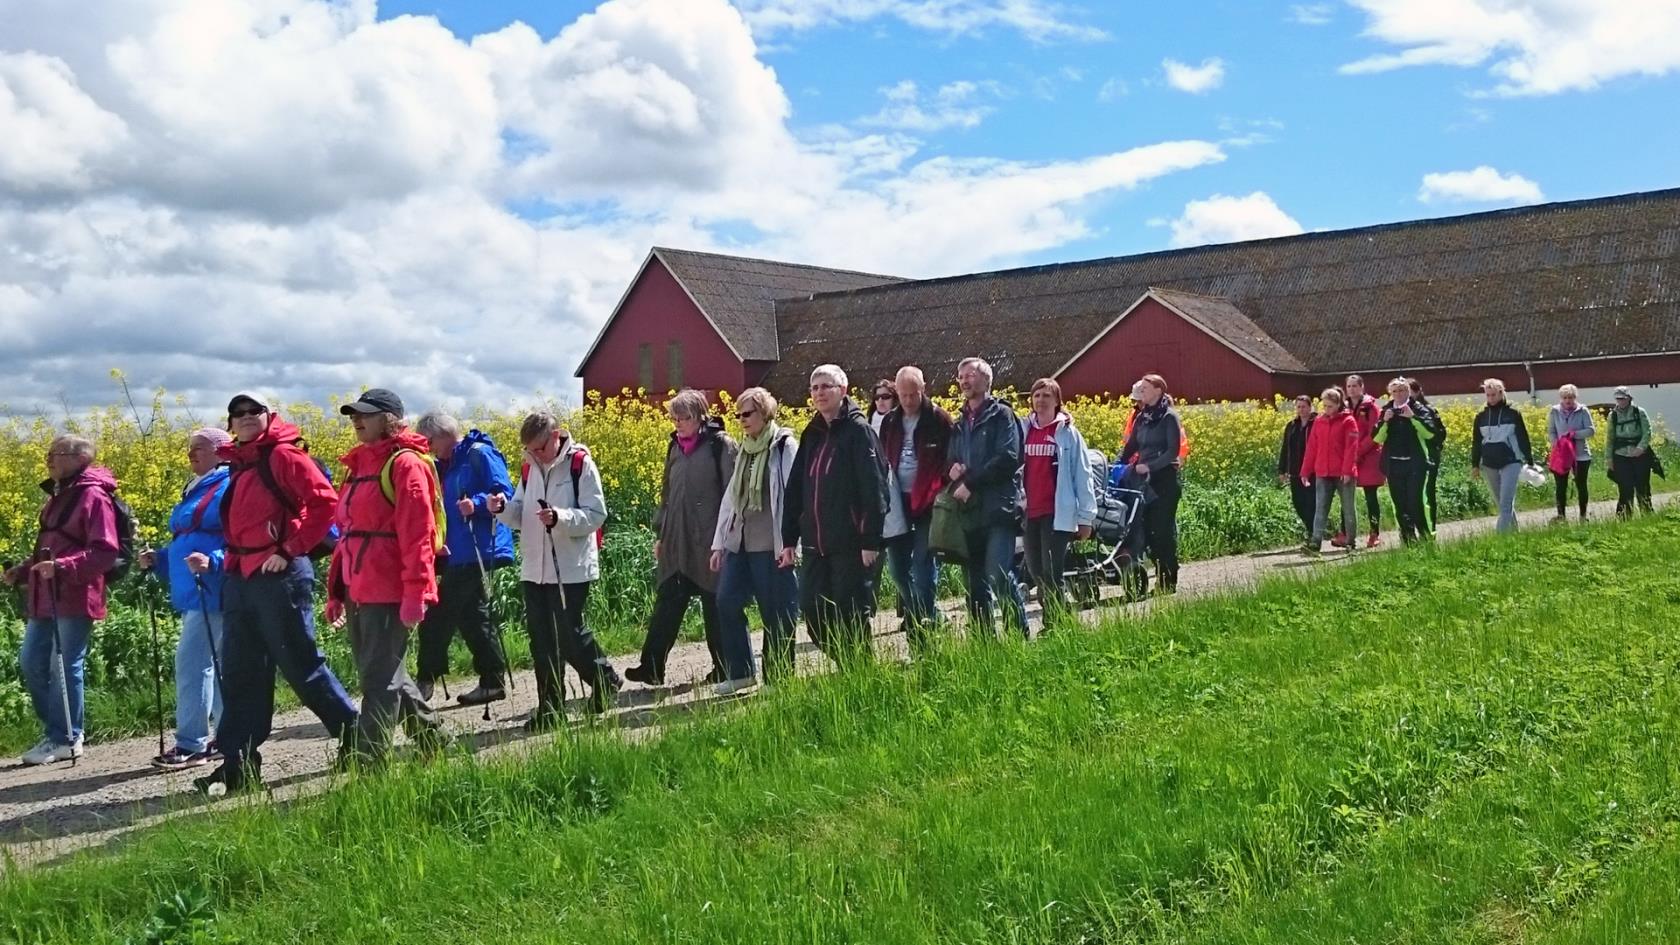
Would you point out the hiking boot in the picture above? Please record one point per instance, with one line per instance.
(482, 695)
(644, 675)
(544, 719)
(1340, 541)
(176, 760)
(46, 752)
(229, 779)
(603, 697)
(730, 687)
(1373, 541)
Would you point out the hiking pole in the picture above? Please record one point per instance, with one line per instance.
(157, 660)
(60, 673)
(554, 557)
(490, 606)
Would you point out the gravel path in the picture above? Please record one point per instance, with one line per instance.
(48, 812)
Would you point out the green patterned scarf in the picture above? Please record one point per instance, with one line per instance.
(751, 467)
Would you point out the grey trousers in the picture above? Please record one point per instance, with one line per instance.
(1326, 488)
(379, 644)
(1503, 481)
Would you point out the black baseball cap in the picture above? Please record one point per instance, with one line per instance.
(374, 400)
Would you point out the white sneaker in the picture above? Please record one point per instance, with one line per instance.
(730, 687)
(46, 752)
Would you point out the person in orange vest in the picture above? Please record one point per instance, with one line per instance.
(383, 572)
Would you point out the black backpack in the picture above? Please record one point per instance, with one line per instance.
(128, 534)
(265, 473)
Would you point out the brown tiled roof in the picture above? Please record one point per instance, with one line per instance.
(1588, 278)
(739, 294)
(1224, 320)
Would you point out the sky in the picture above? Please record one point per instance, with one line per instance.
(447, 197)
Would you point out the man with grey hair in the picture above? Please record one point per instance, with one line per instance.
(834, 508)
(77, 544)
(914, 437)
(471, 470)
(985, 467)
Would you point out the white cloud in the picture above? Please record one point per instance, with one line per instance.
(1311, 14)
(1194, 79)
(953, 105)
(1531, 47)
(1222, 219)
(1036, 19)
(1114, 90)
(295, 195)
(1481, 185)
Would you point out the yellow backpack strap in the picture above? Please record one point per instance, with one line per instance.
(439, 534)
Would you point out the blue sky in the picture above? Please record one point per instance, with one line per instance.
(449, 197)
(1332, 150)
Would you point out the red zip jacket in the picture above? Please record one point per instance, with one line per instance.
(1332, 447)
(257, 524)
(1370, 454)
(83, 550)
(385, 550)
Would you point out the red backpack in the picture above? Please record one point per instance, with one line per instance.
(578, 456)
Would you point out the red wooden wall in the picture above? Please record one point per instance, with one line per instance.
(1155, 340)
(657, 312)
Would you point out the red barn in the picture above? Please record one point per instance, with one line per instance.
(1583, 292)
(701, 320)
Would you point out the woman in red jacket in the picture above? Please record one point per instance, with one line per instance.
(383, 572)
(1331, 461)
(1365, 410)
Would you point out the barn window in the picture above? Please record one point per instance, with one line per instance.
(644, 367)
(674, 365)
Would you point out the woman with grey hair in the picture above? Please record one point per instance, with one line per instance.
(1569, 430)
(747, 542)
(471, 470)
(699, 462)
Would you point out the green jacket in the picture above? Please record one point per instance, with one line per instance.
(1628, 430)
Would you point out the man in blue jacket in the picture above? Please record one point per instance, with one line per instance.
(190, 566)
(471, 470)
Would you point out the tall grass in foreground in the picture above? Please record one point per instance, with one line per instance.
(1471, 743)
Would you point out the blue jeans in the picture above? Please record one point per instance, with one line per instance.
(40, 678)
(990, 573)
(914, 570)
(198, 696)
(753, 575)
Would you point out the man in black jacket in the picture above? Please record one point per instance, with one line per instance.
(833, 509)
(985, 455)
(1290, 454)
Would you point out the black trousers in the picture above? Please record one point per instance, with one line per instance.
(1405, 486)
(559, 637)
(1160, 525)
(461, 606)
(836, 600)
(670, 603)
(1633, 481)
(1562, 483)
(1046, 557)
(1305, 500)
(1430, 477)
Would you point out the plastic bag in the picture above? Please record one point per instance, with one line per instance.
(1532, 476)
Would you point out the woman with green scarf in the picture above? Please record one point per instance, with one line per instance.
(748, 542)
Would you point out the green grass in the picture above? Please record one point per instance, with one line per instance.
(1471, 743)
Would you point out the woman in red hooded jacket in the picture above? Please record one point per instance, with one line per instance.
(1365, 410)
(383, 572)
(1331, 461)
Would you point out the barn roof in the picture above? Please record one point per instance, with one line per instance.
(1588, 278)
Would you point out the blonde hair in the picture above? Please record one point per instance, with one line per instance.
(759, 399)
(1569, 390)
(1494, 383)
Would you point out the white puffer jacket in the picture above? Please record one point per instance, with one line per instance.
(581, 514)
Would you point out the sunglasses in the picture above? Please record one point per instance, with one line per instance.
(746, 413)
(886, 396)
(247, 412)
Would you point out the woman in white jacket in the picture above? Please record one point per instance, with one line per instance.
(748, 542)
(558, 508)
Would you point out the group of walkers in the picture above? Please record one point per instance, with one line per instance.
(800, 525)
(1354, 442)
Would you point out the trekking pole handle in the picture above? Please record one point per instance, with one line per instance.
(543, 504)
